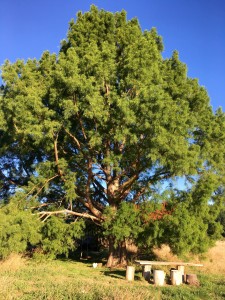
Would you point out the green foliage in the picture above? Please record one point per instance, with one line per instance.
(22, 231)
(221, 220)
(152, 235)
(191, 224)
(185, 231)
(108, 98)
(18, 230)
(104, 122)
(122, 224)
(60, 237)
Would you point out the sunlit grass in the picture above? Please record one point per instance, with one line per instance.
(56, 280)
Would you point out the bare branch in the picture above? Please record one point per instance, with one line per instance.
(107, 89)
(69, 212)
(45, 218)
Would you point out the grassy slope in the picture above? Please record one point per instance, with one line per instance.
(213, 260)
(21, 279)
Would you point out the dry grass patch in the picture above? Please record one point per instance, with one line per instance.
(13, 263)
(213, 260)
(164, 253)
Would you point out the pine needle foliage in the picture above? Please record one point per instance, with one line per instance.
(18, 230)
(104, 122)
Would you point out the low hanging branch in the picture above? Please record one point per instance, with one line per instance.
(46, 214)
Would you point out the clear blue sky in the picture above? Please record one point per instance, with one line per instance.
(196, 28)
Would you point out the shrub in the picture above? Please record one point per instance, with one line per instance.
(18, 230)
(59, 237)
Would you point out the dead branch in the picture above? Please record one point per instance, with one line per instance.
(66, 211)
(45, 218)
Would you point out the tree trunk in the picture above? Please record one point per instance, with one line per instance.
(117, 254)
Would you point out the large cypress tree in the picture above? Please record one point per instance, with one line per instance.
(103, 122)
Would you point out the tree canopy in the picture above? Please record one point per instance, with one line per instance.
(104, 122)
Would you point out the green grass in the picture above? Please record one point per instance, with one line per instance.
(56, 280)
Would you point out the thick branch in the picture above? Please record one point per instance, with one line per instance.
(127, 184)
(89, 179)
(82, 127)
(100, 189)
(139, 194)
(57, 155)
(88, 204)
(160, 175)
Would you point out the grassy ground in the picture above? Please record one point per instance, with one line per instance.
(213, 260)
(55, 280)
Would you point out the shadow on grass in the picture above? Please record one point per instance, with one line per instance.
(119, 274)
(85, 258)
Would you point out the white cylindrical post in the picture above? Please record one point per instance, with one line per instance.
(176, 277)
(159, 277)
(181, 269)
(147, 272)
(130, 273)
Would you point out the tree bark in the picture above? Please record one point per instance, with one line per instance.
(117, 254)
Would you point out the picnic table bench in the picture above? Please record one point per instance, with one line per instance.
(179, 264)
(147, 265)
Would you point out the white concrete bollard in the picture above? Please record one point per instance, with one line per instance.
(130, 273)
(159, 277)
(147, 272)
(176, 277)
(181, 269)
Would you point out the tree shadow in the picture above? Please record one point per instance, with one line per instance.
(87, 258)
(115, 273)
(121, 274)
